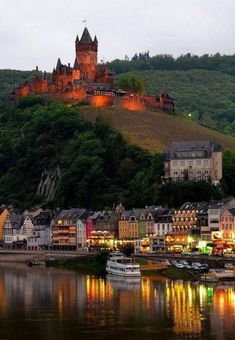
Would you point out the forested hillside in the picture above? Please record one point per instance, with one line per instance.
(9, 78)
(98, 166)
(203, 87)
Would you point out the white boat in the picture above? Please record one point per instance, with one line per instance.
(123, 266)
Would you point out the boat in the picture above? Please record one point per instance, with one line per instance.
(209, 278)
(123, 266)
(219, 276)
(229, 266)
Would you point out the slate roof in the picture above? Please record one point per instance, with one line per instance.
(16, 220)
(86, 38)
(202, 207)
(199, 145)
(72, 214)
(164, 217)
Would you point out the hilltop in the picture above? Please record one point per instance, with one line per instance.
(208, 95)
(156, 130)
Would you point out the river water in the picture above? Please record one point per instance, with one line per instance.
(41, 303)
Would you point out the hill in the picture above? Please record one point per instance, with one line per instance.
(209, 96)
(156, 130)
(62, 156)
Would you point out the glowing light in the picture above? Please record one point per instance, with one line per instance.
(100, 101)
(132, 105)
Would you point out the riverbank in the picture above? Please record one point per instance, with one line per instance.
(173, 274)
(82, 264)
(96, 265)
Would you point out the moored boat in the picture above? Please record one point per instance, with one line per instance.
(123, 266)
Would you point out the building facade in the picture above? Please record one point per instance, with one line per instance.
(64, 229)
(227, 225)
(197, 160)
(187, 224)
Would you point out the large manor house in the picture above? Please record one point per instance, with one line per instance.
(87, 82)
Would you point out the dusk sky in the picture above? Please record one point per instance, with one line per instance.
(38, 32)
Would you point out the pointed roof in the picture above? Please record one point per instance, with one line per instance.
(76, 65)
(95, 40)
(86, 38)
(77, 39)
(58, 65)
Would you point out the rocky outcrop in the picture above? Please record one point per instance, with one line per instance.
(49, 182)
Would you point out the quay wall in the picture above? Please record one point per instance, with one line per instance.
(25, 256)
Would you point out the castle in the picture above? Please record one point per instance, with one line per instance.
(87, 82)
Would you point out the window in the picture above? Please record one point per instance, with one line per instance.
(175, 163)
(198, 162)
(190, 163)
(182, 163)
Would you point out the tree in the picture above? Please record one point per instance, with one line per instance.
(132, 84)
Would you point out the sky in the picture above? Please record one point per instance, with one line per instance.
(38, 32)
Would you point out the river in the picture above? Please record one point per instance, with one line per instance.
(47, 303)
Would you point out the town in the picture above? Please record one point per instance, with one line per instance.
(195, 227)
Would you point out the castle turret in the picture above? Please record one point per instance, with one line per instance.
(86, 55)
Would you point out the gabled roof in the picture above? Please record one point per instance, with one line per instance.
(86, 38)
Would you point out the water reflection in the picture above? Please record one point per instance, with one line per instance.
(56, 304)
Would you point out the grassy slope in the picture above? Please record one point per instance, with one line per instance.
(208, 95)
(155, 131)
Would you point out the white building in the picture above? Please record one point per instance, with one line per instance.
(194, 160)
(163, 223)
(81, 235)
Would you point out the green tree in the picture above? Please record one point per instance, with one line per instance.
(132, 84)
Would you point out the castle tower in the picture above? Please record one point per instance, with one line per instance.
(86, 55)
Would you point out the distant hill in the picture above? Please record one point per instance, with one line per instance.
(156, 130)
